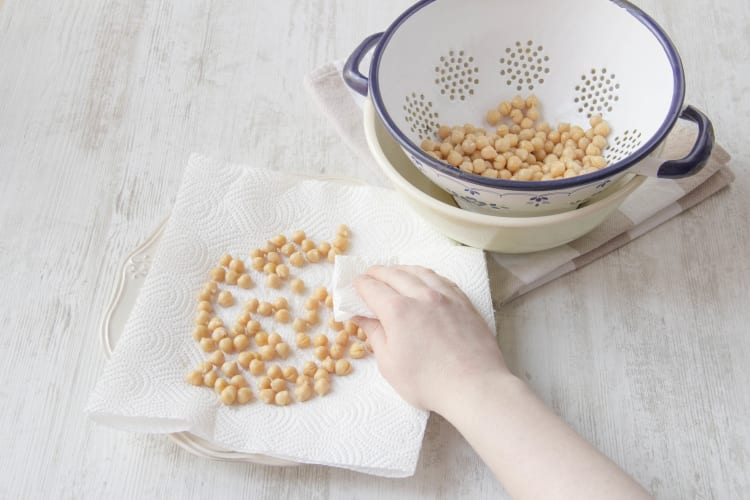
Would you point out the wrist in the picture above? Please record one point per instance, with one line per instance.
(473, 390)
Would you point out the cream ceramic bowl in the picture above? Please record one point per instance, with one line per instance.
(489, 232)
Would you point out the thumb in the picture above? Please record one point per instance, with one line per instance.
(374, 330)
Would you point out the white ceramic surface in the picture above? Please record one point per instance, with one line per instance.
(490, 232)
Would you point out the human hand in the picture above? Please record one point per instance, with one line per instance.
(429, 340)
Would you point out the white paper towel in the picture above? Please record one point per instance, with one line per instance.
(346, 301)
(362, 424)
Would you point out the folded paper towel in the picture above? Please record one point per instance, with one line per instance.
(362, 424)
(654, 203)
(346, 301)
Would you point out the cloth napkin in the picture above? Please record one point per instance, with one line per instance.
(362, 424)
(653, 203)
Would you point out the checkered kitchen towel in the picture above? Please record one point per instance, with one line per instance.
(654, 202)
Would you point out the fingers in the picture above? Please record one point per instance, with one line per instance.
(377, 295)
(414, 281)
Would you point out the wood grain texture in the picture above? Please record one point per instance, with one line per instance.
(645, 352)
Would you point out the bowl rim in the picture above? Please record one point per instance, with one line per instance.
(395, 176)
(675, 108)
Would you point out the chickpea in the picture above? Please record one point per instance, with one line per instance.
(290, 373)
(329, 302)
(238, 381)
(257, 252)
(321, 352)
(229, 368)
(321, 373)
(210, 378)
(274, 372)
(296, 259)
(304, 380)
(205, 367)
(205, 305)
(342, 338)
(602, 129)
(261, 338)
(343, 244)
(324, 247)
(274, 339)
(322, 387)
(225, 299)
(194, 378)
(265, 309)
(494, 117)
(217, 274)
(328, 365)
(245, 281)
(361, 335)
(264, 382)
(274, 258)
(288, 249)
(303, 392)
(229, 395)
(253, 327)
(343, 367)
(312, 318)
(282, 270)
(258, 263)
(283, 350)
(237, 266)
(220, 385)
(309, 368)
(267, 396)
(357, 351)
(201, 332)
(244, 395)
(320, 340)
(226, 345)
(254, 366)
(313, 255)
(232, 277)
(267, 353)
(302, 340)
(278, 384)
(336, 351)
(351, 327)
(202, 318)
(283, 398)
(219, 334)
(269, 268)
(297, 286)
(251, 305)
(244, 359)
(282, 316)
(278, 240)
(299, 325)
(225, 259)
(208, 344)
(241, 342)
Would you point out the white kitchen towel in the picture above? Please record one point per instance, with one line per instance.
(655, 202)
(362, 425)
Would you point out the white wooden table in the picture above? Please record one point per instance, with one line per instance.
(646, 352)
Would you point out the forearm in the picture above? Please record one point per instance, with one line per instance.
(531, 450)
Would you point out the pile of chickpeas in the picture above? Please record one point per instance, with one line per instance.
(520, 147)
(245, 351)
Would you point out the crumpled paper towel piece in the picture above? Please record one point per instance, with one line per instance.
(346, 301)
(362, 425)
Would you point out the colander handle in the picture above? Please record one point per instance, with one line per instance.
(698, 156)
(353, 78)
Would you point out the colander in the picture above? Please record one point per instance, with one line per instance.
(449, 61)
